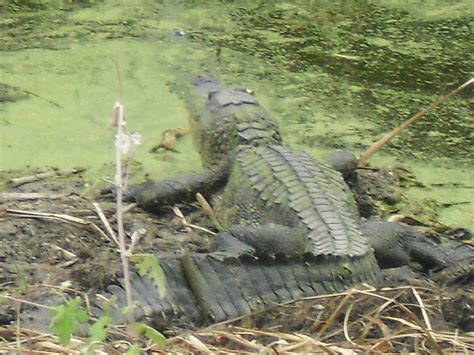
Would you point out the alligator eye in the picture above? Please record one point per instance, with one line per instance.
(211, 94)
(247, 91)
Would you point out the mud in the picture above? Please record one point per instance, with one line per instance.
(50, 259)
(45, 260)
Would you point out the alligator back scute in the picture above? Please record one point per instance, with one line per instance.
(277, 184)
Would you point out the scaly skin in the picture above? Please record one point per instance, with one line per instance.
(270, 183)
(290, 224)
(275, 184)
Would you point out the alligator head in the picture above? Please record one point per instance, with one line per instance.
(229, 118)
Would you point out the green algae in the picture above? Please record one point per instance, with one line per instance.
(67, 122)
(337, 74)
(39, 133)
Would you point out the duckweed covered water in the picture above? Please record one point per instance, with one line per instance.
(338, 74)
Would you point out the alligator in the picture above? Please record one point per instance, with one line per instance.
(289, 226)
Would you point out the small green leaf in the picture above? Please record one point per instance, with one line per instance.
(152, 334)
(127, 310)
(149, 265)
(98, 332)
(3, 296)
(67, 319)
(266, 351)
(134, 350)
(100, 329)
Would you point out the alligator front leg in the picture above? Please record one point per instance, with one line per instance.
(153, 196)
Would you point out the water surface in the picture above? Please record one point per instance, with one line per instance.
(337, 74)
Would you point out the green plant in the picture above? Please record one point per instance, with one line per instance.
(67, 320)
(151, 334)
(149, 265)
(70, 317)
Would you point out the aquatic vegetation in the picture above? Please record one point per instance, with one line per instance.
(387, 63)
(337, 74)
(11, 93)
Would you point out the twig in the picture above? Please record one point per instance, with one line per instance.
(69, 255)
(119, 120)
(129, 207)
(419, 324)
(180, 215)
(26, 196)
(18, 323)
(346, 321)
(136, 236)
(364, 157)
(199, 345)
(187, 225)
(208, 210)
(58, 217)
(26, 302)
(239, 340)
(376, 316)
(335, 314)
(423, 309)
(105, 222)
(41, 98)
(15, 182)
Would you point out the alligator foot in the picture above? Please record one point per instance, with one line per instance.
(448, 261)
(342, 161)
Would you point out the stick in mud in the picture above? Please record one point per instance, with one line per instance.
(15, 182)
(119, 120)
(25, 196)
(364, 157)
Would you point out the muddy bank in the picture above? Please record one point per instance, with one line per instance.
(51, 237)
(64, 251)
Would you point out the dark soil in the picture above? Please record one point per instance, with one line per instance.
(35, 260)
(48, 259)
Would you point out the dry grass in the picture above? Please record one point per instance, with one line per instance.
(398, 319)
